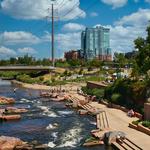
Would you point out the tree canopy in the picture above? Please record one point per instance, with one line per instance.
(143, 57)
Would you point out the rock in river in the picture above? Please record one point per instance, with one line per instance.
(9, 143)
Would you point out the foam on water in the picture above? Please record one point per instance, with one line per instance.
(93, 123)
(47, 112)
(51, 114)
(71, 138)
(51, 144)
(44, 108)
(51, 126)
(54, 135)
(65, 112)
(25, 100)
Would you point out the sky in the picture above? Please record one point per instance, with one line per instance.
(25, 25)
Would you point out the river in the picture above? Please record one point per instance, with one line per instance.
(37, 124)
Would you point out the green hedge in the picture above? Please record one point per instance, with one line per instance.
(116, 98)
(99, 93)
(27, 79)
(146, 124)
(136, 122)
(9, 74)
(129, 93)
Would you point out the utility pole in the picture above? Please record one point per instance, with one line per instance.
(52, 44)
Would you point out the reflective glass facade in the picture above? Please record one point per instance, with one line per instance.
(95, 42)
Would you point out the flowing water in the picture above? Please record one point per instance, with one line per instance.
(49, 123)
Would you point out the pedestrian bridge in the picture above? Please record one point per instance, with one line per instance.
(26, 68)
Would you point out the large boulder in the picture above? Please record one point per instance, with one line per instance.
(4, 100)
(15, 110)
(110, 137)
(9, 143)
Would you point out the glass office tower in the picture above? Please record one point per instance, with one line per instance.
(95, 43)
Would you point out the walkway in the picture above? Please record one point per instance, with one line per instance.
(118, 120)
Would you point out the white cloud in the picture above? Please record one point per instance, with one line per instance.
(93, 14)
(6, 52)
(27, 50)
(65, 41)
(122, 38)
(69, 41)
(73, 27)
(139, 18)
(115, 3)
(18, 37)
(38, 9)
(127, 29)
(147, 1)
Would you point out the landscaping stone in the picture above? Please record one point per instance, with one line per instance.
(110, 137)
(9, 143)
(24, 147)
(10, 117)
(15, 110)
(4, 100)
(41, 147)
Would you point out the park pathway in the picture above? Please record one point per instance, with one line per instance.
(118, 120)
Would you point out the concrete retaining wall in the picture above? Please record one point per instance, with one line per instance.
(140, 127)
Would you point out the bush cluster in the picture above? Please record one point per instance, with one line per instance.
(126, 92)
(27, 79)
(146, 124)
(99, 93)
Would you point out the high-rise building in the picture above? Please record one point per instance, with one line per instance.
(95, 43)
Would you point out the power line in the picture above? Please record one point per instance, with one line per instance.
(61, 4)
(71, 9)
(89, 7)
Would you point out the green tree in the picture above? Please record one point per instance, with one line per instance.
(143, 57)
(120, 59)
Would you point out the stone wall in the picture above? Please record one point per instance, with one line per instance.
(93, 85)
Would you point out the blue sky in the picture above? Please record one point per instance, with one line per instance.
(25, 29)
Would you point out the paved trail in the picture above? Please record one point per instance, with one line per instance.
(119, 120)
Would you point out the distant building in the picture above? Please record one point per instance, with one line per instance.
(95, 43)
(73, 55)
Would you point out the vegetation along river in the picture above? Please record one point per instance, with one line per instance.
(37, 123)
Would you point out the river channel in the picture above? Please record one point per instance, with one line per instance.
(37, 124)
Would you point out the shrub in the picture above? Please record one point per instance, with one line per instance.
(132, 93)
(136, 122)
(146, 124)
(99, 93)
(80, 71)
(47, 82)
(116, 98)
(10, 74)
(90, 69)
(41, 78)
(27, 79)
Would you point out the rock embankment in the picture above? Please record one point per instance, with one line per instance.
(12, 143)
(9, 143)
(4, 100)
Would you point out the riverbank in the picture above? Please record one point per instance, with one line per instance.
(71, 87)
(118, 119)
(39, 122)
